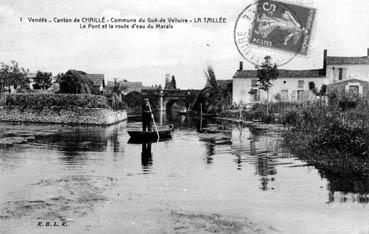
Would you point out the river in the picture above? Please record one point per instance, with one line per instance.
(67, 179)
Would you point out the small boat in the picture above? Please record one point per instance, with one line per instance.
(164, 132)
(147, 141)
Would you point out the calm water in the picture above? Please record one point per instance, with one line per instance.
(92, 177)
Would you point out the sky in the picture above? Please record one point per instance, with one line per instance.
(341, 26)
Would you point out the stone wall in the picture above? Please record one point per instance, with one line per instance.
(91, 116)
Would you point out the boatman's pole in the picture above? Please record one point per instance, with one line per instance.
(153, 120)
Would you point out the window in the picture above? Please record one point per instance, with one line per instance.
(300, 95)
(354, 89)
(254, 83)
(284, 95)
(300, 84)
(340, 71)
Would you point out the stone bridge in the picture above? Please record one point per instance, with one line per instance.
(165, 98)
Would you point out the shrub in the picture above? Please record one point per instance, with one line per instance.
(40, 101)
(291, 118)
(267, 119)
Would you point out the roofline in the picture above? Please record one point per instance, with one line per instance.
(308, 70)
(285, 77)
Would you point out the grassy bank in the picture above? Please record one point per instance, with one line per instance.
(40, 100)
(332, 137)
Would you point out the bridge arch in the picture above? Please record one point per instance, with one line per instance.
(170, 102)
(166, 98)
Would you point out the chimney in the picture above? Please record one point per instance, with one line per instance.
(324, 70)
(241, 66)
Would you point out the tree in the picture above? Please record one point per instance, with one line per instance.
(312, 87)
(43, 80)
(323, 90)
(13, 75)
(267, 72)
(75, 82)
(210, 96)
(173, 83)
(116, 92)
(132, 102)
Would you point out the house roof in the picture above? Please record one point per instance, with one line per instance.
(221, 83)
(348, 81)
(97, 79)
(335, 60)
(31, 75)
(282, 73)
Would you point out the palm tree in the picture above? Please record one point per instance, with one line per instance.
(212, 96)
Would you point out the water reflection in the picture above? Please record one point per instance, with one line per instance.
(345, 187)
(258, 148)
(345, 182)
(252, 151)
(146, 158)
(78, 140)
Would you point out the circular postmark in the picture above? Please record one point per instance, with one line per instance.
(275, 29)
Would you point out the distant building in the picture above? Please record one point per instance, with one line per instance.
(151, 87)
(293, 85)
(98, 82)
(170, 83)
(30, 76)
(224, 84)
(128, 85)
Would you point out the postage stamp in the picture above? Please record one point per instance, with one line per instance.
(282, 26)
(280, 30)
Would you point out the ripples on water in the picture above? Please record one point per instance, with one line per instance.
(260, 149)
(253, 164)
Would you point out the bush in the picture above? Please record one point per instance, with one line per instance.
(40, 101)
(334, 128)
(267, 119)
(291, 118)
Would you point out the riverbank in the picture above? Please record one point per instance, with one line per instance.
(58, 115)
(85, 109)
(332, 137)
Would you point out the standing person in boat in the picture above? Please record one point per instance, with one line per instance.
(146, 115)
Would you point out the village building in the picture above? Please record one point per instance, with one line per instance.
(98, 83)
(345, 74)
(128, 86)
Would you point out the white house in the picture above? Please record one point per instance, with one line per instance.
(293, 85)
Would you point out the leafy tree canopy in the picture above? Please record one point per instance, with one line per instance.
(267, 72)
(75, 82)
(13, 75)
(43, 80)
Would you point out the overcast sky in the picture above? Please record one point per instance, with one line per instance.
(341, 26)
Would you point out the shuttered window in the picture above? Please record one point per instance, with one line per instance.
(254, 83)
(300, 84)
(340, 73)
